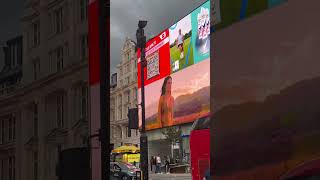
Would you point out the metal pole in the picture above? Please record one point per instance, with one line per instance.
(104, 34)
(141, 40)
(143, 137)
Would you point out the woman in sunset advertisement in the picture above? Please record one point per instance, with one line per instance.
(178, 98)
(166, 103)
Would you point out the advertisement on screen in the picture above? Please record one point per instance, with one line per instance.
(158, 59)
(177, 72)
(181, 50)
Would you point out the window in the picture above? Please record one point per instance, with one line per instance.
(59, 58)
(84, 46)
(10, 129)
(120, 112)
(56, 59)
(13, 127)
(83, 10)
(120, 71)
(120, 100)
(35, 120)
(3, 128)
(126, 131)
(112, 102)
(51, 61)
(112, 116)
(58, 21)
(36, 33)
(84, 102)
(128, 79)
(11, 168)
(135, 93)
(120, 132)
(35, 165)
(128, 67)
(59, 149)
(14, 168)
(36, 68)
(128, 96)
(120, 107)
(135, 63)
(2, 169)
(14, 55)
(60, 111)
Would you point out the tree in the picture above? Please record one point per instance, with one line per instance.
(173, 136)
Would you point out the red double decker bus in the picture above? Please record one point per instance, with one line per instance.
(200, 149)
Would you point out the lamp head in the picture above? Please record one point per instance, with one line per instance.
(142, 24)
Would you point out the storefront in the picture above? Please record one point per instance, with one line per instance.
(159, 145)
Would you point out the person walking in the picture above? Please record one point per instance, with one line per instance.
(151, 162)
(167, 164)
(158, 165)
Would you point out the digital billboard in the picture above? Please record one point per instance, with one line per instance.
(266, 96)
(177, 74)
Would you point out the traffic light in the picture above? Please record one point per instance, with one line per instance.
(133, 119)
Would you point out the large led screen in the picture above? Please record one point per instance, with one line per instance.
(266, 96)
(177, 75)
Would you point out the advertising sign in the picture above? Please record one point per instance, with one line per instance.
(158, 56)
(181, 50)
(177, 74)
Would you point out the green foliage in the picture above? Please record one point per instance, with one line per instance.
(172, 134)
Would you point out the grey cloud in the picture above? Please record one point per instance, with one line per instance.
(160, 14)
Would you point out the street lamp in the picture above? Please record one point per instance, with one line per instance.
(141, 43)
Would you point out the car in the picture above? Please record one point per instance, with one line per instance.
(123, 171)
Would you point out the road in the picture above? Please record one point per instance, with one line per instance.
(170, 177)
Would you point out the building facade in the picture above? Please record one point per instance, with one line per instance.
(10, 77)
(44, 104)
(124, 96)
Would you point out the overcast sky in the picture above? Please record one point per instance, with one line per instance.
(125, 15)
(160, 14)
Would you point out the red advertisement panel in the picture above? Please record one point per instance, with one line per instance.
(158, 59)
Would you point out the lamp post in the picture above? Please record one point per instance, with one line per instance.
(141, 43)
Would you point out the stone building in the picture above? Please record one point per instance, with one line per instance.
(10, 77)
(44, 98)
(123, 96)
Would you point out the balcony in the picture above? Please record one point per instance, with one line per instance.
(56, 136)
(8, 89)
(7, 146)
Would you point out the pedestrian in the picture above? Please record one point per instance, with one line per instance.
(134, 163)
(158, 165)
(207, 175)
(152, 163)
(167, 164)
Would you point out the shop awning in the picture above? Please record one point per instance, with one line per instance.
(126, 149)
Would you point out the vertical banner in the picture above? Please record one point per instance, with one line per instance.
(94, 89)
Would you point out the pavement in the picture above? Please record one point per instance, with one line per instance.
(153, 176)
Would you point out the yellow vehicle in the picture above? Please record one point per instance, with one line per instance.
(127, 153)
